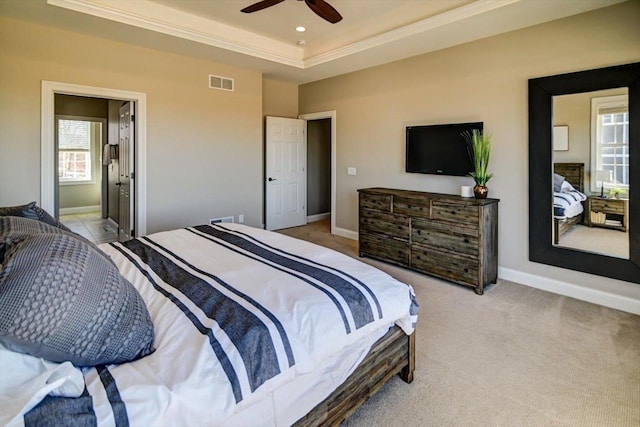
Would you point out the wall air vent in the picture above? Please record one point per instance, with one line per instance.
(219, 82)
(222, 219)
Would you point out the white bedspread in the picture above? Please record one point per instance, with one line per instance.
(568, 204)
(252, 327)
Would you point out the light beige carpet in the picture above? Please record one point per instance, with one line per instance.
(515, 356)
(596, 239)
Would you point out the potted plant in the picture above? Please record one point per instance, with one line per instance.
(479, 151)
(616, 192)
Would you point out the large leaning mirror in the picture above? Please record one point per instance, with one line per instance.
(584, 171)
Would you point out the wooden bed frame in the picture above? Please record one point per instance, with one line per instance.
(392, 354)
(574, 174)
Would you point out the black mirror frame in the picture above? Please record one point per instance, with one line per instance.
(541, 93)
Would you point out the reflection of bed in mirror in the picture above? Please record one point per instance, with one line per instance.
(568, 207)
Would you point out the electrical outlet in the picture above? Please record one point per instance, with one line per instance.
(241, 219)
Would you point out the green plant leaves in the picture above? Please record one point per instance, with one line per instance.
(480, 152)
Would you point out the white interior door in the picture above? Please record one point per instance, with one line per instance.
(126, 160)
(286, 173)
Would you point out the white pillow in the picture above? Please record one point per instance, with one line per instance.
(566, 187)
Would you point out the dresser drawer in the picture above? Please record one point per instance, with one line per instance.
(455, 212)
(442, 235)
(445, 265)
(378, 222)
(412, 207)
(608, 205)
(379, 202)
(384, 248)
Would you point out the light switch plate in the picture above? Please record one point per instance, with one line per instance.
(351, 171)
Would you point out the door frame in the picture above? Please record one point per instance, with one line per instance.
(47, 135)
(330, 115)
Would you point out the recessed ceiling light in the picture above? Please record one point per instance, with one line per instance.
(301, 29)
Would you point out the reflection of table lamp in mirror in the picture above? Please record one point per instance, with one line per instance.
(603, 176)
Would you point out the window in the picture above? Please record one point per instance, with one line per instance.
(610, 151)
(76, 149)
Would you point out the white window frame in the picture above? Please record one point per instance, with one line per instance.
(596, 105)
(93, 152)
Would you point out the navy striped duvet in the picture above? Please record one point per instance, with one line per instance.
(252, 328)
(568, 204)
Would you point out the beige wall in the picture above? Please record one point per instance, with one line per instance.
(279, 99)
(574, 111)
(204, 146)
(69, 105)
(484, 81)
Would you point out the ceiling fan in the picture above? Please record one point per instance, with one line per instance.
(320, 7)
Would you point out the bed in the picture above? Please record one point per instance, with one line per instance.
(250, 327)
(567, 197)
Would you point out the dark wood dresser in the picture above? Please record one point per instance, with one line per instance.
(444, 235)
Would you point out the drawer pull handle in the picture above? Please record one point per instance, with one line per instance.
(466, 240)
(453, 212)
(466, 270)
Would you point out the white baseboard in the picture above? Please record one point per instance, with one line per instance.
(343, 232)
(606, 299)
(318, 217)
(80, 209)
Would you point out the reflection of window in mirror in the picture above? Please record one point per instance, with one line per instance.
(596, 161)
(610, 140)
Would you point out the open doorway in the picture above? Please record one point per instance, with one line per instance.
(136, 154)
(300, 170)
(319, 171)
(321, 168)
(92, 175)
(79, 190)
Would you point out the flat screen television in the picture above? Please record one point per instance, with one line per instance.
(439, 149)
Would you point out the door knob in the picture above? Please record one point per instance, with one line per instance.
(271, 179)
(118, 183)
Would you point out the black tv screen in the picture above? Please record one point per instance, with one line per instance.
(439, 149)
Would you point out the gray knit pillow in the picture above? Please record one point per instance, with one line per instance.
(32, 211)
(61, 299)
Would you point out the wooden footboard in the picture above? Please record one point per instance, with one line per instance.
(562, 226)
(392, 354)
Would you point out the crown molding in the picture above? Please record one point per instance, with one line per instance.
(156, 17)
(440, 20)
(166, 20)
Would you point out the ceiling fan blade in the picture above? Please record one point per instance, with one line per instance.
(324, 10)
(260, 5)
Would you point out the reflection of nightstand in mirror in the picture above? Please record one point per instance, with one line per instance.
(607, 213)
